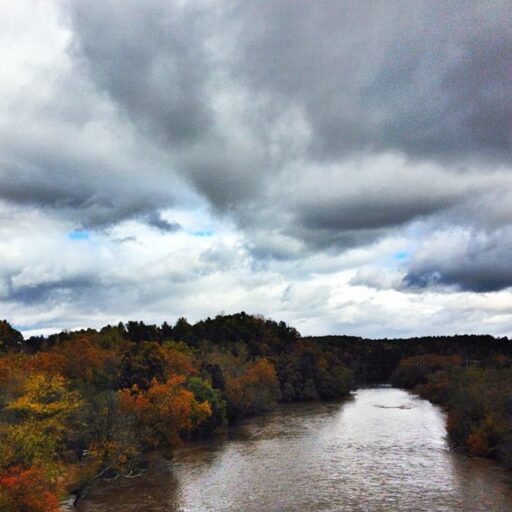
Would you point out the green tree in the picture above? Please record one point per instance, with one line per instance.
(204, 392)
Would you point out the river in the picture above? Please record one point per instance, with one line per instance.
(382, 450)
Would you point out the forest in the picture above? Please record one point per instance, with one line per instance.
(79, 406)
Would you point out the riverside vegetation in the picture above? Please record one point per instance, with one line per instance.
(476, 394)
(79, 406)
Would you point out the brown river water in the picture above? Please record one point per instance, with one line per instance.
(382, 450)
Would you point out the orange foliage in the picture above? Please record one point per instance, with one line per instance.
(11, 374)
(51, 362)
(255, 390)
(178, 362)
(77, 360)
(90, 357)
(26, 490)
(163, 411)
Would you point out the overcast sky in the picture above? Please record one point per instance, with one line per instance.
(344, 166)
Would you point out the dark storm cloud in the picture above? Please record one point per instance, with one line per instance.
(156, 220)
(86, 205)
(427, 78)
(88, 189)
(366, 213)
(149, 57)
(478, 262)
(66, 289)
(480, 277)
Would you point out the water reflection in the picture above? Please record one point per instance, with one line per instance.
(383, 450)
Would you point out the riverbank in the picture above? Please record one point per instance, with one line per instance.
(156, 461)
(88, 403)
(383, 449)
(477, 398)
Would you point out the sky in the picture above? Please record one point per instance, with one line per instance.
(344, 166)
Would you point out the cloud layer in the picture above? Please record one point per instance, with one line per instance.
(264, 142)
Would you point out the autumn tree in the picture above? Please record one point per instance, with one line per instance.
(255, 389)
(26, 490)
(39, 426)
(162, 412)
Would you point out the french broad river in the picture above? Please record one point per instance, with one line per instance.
(383, 449)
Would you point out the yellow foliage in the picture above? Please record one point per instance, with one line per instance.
(45, 396)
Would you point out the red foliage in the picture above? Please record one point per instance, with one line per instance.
(26, 490)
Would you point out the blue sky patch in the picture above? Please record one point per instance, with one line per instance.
(401, 255)
(203, 233)
(81, 234)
